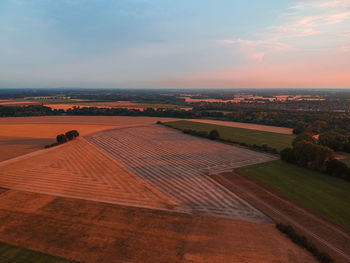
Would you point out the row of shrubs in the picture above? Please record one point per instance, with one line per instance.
(62, 138)
(303, 242)
(214, 135)
(306, 152)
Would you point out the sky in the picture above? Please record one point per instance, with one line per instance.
(175, 44)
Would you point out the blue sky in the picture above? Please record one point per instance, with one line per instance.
(167, 43)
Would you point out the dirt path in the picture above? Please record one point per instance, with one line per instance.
(329, 237)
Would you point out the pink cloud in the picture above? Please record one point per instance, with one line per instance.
(321, 73)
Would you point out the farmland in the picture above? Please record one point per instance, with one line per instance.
(87, 231)
(323, 194)
(77, 170)
(20, 138)
(248, 136)
(125, 187)
(175, 163)
(249, 126)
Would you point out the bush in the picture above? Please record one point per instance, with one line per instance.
(213, 135)
(338, 169)
(303, 242)
(61, 138)
(72, 134)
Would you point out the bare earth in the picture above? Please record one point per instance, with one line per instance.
(327, 236)
(18, 139)
(79, 170)
(177, 165)
(92, 232)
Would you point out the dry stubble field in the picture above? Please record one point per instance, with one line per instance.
(178, 164)
(66, 201)
(92, 232)
(21, 138)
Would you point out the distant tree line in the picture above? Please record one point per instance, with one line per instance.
(312, 154)
(63, 138)
(300, 121)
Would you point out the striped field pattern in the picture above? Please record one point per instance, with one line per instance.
(178, 165)
(78, 169)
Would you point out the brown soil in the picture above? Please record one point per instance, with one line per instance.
(78, 169)
(18, 103)
(126, 121)
(328, 237)
(19, 139)
(88, 231)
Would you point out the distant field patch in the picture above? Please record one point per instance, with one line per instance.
(274, 140)
(109, 104)
(14, 254)
(322, 193)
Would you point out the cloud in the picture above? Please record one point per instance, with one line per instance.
(256, 49)
(302, 74)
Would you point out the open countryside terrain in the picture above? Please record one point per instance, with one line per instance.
(123, 189)
(321, 193)
(21, 138)
(87, 231)
(248, 136)
(79, 170)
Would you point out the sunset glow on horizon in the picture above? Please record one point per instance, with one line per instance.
(175, 44)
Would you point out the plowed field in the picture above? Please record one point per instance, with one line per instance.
(21, 138)
(92, 232)
(178, 165)
(77, 169)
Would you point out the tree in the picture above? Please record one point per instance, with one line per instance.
(338, 169)
(61, 138)
(72, 134)
(287, 155)
(333, 140)
(214, 134)
(305, 136)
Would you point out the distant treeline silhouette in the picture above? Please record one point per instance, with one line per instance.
(301, 121)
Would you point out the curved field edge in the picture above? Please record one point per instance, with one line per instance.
(323, 194)
(13, 254)
(241, 135)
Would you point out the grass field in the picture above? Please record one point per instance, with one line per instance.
(323, 194)
(275, 140)
(346, 161)
(14, 254)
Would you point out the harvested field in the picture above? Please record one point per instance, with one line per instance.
(79, 170)
(91, 232)
(177, 165)
(249, 126)
(19, 139)
(120, 121)
(17, 103)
